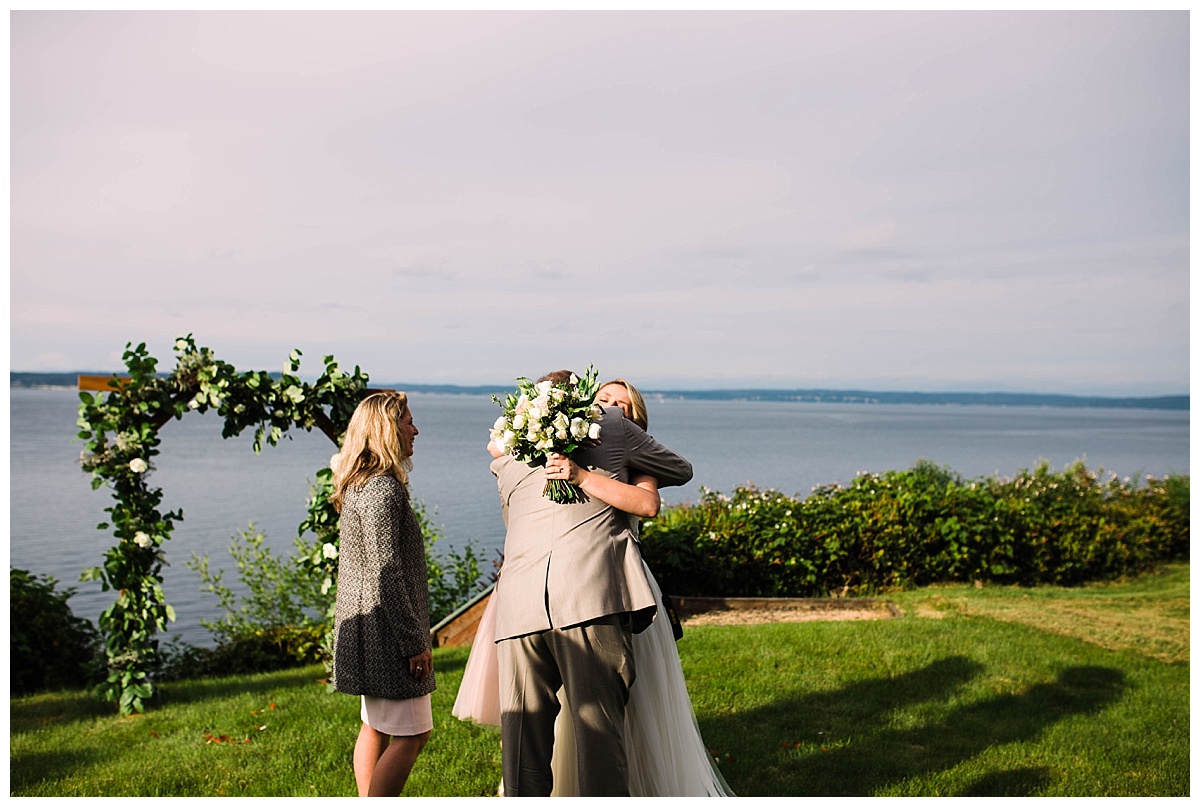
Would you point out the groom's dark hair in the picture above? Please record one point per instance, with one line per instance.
(559, 378)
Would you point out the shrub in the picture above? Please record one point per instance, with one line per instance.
(49, 647)
(454, 577)
(279, 592)
(916, 527)
(251, 651)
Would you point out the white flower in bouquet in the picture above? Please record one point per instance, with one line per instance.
(544, 418)
(506, 440)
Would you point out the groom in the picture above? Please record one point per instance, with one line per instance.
(571, 593)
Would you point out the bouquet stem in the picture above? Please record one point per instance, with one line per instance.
(563, 492)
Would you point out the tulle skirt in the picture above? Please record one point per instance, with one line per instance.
(479, 694)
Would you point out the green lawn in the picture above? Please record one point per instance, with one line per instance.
(994, 691)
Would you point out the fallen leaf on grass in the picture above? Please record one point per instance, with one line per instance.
(222, 738)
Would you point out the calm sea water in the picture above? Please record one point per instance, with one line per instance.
(222, 485)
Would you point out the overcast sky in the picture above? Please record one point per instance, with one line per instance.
(893, 201)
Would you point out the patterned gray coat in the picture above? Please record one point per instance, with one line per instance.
(382, 614)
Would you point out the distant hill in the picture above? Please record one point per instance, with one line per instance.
(941, 398)
(46, 379)
(1171, 402)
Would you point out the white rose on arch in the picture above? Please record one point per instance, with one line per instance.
(143, 540)
(330, 551)
(138, 465)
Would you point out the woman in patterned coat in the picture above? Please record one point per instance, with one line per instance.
(381, 631)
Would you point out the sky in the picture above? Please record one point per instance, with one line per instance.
(944, 201)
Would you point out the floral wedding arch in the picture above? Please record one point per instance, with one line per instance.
(120, 426)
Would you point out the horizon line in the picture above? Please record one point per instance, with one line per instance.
(487, 387)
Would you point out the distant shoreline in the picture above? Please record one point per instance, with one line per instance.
(67, 381)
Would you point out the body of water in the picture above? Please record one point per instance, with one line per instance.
(222, 485)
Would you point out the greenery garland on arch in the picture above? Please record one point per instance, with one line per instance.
(120, 429)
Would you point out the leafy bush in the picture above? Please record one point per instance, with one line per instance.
(253, 651)
(454, 577)
(280, 592)
(49, 647)
(916, 527)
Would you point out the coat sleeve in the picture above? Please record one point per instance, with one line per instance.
(502, 468)
(655, 459)
(385, 523)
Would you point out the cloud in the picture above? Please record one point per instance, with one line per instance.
(952, 198)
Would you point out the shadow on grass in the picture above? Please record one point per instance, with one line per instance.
(1019, 782)
(444, 663)
(31, 713)
(47, 766)
(841, 744)
(191, 691)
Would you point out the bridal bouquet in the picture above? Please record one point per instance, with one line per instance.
(544, 418)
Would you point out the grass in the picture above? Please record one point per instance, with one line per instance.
(1148, 615)
(976, 692)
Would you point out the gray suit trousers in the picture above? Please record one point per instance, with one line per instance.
(593, 662)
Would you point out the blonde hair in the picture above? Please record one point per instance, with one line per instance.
(371, 446)
(637, 404)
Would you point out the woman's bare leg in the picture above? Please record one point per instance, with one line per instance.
(392, 768)
(367, 750)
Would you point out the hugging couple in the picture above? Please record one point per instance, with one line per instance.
(575, 657)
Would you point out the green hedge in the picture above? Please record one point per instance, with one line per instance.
(49, 647)
(912, 528)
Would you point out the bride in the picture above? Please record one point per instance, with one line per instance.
(666, 754)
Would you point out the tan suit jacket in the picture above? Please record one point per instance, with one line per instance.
(565, 564)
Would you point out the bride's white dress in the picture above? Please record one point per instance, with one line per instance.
(666, 754)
